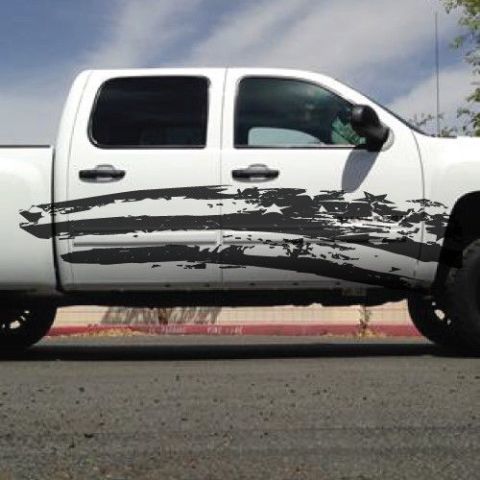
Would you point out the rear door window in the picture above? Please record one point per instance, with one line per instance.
(151, 112)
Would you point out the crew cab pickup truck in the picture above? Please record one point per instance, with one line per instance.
(176, 187)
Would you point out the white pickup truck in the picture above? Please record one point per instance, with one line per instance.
(176, 187)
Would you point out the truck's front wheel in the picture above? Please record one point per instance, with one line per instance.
(462, 297)
(432, 321)
(21, 328)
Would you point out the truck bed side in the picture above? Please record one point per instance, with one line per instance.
(26, 262)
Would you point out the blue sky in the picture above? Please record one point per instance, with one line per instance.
(384, 48)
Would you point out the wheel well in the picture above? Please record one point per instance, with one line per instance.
(463, 228)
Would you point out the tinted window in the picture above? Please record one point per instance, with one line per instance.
(276, 112)
(151, 112)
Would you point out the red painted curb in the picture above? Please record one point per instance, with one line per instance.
(293, 330)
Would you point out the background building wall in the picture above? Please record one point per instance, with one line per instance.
(391, 313)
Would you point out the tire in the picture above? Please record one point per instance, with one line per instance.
(21, 328)
(433, 322)
(462, 295)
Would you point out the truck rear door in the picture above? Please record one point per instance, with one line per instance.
(142, 197)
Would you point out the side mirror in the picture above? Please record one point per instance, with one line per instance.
(366, 123)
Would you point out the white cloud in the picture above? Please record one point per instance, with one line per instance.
(243, 37)
(375, 44)
(349, 39)
(142, 28)
(30, 110)
(338, 37)
(455, 85)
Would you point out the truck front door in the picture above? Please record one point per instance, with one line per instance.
(142, 209)
(309, 204)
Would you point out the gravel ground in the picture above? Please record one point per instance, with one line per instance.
(240, 408)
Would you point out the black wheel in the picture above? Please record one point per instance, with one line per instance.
(21, 328)
(462, 297)
(433, 321)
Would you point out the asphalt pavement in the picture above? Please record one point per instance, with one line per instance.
(239, 408)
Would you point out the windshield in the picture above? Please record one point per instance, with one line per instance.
(409, 124)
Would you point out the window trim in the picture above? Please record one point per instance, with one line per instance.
(287, 147)
(93, 108)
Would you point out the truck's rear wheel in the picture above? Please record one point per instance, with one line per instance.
(21, 328)
(433, 322)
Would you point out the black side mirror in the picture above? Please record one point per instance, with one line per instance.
(366, 123)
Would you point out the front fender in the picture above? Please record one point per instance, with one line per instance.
(451, 169)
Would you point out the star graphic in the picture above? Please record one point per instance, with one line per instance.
(274, 208)
(310, 195)
(437, 228)
(370, 198)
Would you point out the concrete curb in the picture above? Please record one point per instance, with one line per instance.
(266, 329)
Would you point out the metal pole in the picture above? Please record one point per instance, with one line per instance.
(437, 69)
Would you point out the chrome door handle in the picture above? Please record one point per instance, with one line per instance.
(255, 173)
(102, 174)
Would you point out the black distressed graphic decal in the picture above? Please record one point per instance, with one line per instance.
(327, 219)
(233, 255)
(214, 192)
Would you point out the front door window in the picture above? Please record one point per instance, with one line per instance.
(282, 113)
